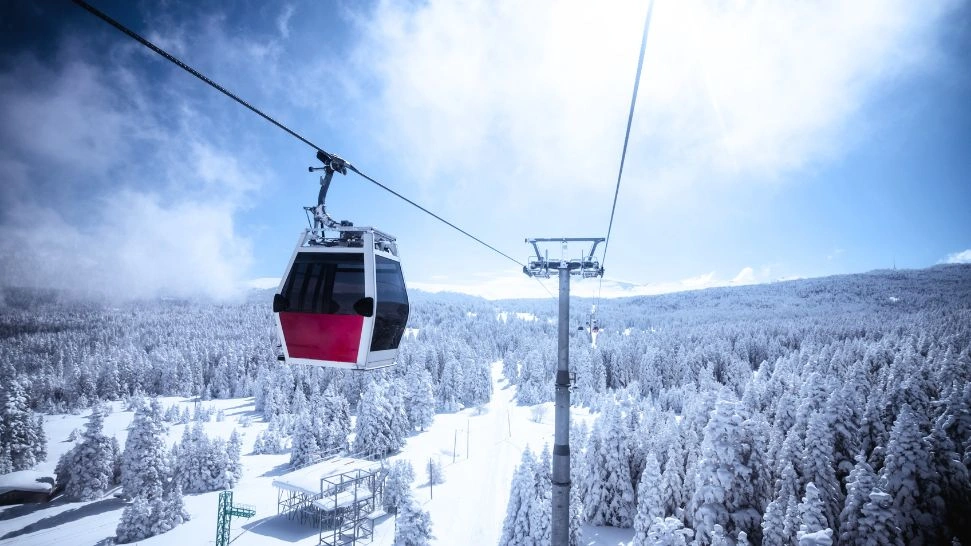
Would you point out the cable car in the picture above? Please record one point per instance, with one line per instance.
(342, 300)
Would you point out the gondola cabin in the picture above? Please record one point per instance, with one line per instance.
(342, 300)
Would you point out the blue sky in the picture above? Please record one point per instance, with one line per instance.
(770, 140)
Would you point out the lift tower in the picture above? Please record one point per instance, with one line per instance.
(541, 266)
(225, 514)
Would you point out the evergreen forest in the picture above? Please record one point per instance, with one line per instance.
(819, 411)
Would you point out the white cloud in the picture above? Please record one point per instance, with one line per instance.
(283, 21)
(500, 286)
(963, 257)
(69, 118)
(263, 283)
(730, 92)
(115, 197)
(137, 248)
(745, 276)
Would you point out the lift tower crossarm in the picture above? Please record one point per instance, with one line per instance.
(585, 266)
(540, 266)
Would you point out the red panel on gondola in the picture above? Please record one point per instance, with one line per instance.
(322, 337)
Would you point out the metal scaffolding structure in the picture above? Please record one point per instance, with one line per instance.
(341, 497)
(349, 507)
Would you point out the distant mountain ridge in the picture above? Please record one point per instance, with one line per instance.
(900, 287)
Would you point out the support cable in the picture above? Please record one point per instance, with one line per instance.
(169, 57)
(623, 154)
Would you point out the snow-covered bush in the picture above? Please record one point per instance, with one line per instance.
(434, 471)
(668, 532)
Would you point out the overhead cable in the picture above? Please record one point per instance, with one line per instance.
(168, 56)
(630, 119)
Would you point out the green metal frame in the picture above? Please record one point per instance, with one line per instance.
(224, 516)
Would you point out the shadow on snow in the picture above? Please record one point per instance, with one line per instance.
(279, 527)
(68, 516)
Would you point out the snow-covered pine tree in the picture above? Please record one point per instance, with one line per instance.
(6, 465)
(304, 450)
(269, 441)
(168, 510)
(332, 419)
(399, 419)
(234, 467)
(144, 464)
(790, 525)
(397, 484)
(413, 525)
(877, 526)
(540, 518)
(845, 405)
(203, 463)
(378, 429)
(510, 370)
(420, 400)
(115, 462)
(759, 490)
(40, 440)
(859, 484)
(90, 468)
(576, 516)
(692, 446)
(903, 476)
(948, 488)
(649, 503)
(773, 523)
(136, 521)
(672, 481)
(515, 527)
(17, 426)
(450, 385)
(812, 519)
(610, 498)
(534, 386)
(478, 383)
(819, 467)
(723, 482)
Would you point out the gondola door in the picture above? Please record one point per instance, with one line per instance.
(390, 311)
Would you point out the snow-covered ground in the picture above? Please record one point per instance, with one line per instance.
(479, 449)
